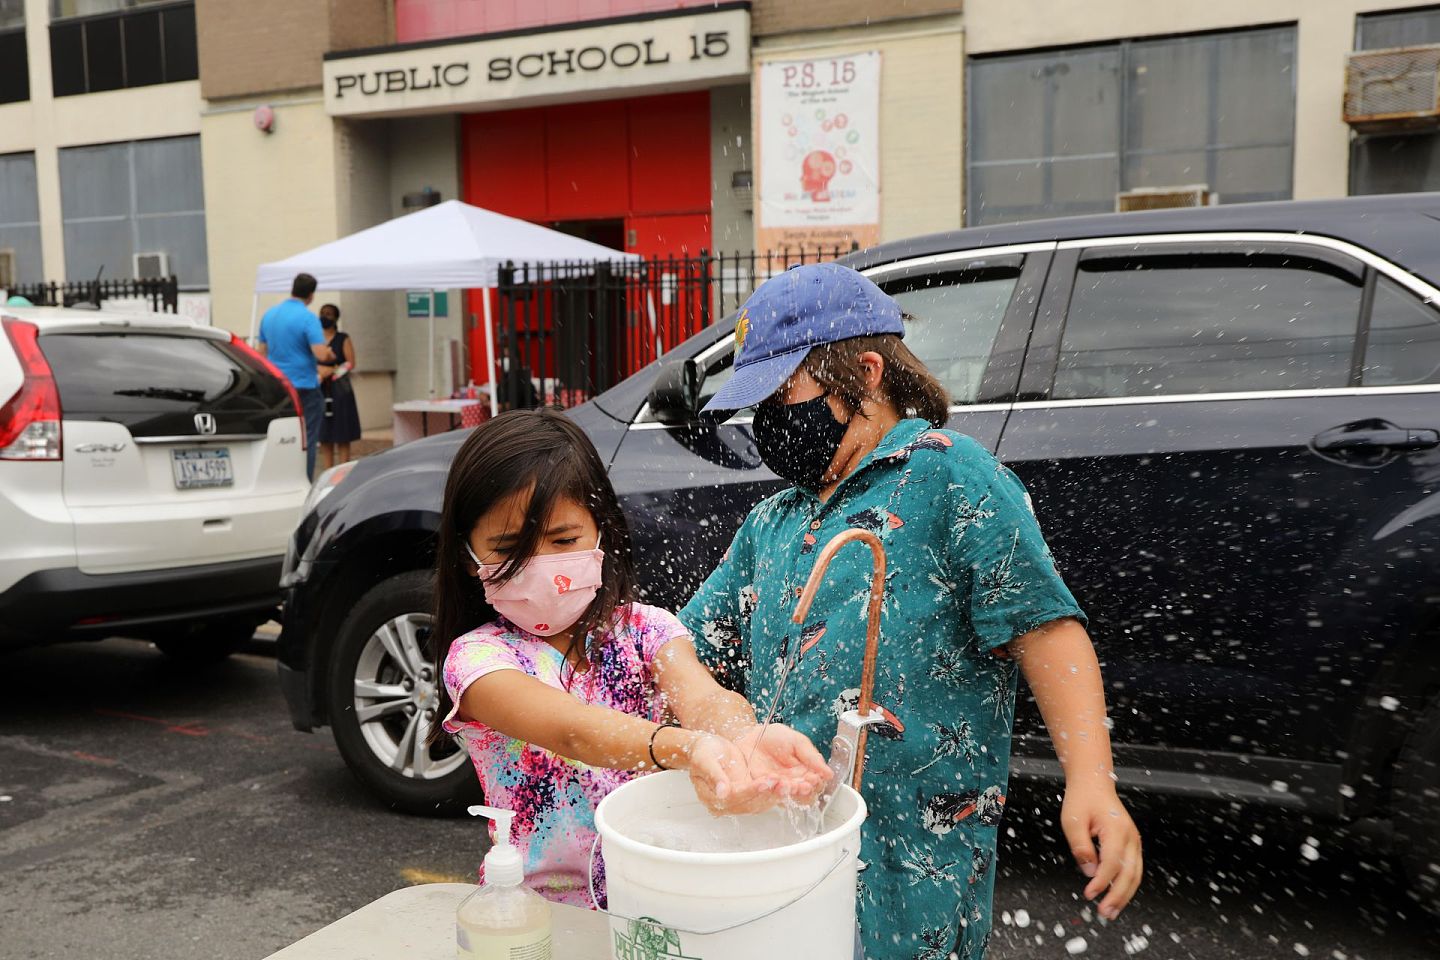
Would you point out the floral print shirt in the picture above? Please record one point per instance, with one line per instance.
(967, 572)
(554, 798)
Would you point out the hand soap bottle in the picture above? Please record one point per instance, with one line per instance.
(503, 919)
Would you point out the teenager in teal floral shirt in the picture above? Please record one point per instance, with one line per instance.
(972, 599)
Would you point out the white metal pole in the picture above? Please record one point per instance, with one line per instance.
(432, 344)
(254, 317)
(490, 357)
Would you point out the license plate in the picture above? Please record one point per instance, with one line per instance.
(202, 468)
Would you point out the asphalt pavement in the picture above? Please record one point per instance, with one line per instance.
(152, 812)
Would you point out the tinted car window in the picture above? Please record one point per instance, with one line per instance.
(955, 319)
(1404, 344)
(952, 320)
(156, 384)
(1142, 326)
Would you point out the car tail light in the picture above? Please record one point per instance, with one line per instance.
(259, 358)
(30, 421)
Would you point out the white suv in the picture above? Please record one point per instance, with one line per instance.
(151, 470)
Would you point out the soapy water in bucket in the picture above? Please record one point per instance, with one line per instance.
(695, 831)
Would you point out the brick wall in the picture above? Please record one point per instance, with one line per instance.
(269, 46)
(355, 24)
(769, 17)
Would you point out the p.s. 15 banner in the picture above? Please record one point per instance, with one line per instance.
(818, 135)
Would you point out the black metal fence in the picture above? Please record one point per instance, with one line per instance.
(568, 331)
(162, 295)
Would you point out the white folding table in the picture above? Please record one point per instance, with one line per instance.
(412, 419)
(418, 923)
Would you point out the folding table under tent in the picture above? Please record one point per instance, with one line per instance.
(451, 245)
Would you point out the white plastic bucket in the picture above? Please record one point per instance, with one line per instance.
(796, 900)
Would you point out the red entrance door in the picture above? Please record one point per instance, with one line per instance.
(645, 161)
(642, 163)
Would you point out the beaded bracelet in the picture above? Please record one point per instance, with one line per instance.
(654, 759)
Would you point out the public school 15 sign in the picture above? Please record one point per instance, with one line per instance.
(660, 52)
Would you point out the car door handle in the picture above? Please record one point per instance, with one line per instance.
(1388, 438)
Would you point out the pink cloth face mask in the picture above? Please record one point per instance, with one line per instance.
(549, 594)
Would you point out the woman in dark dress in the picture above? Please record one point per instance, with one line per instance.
(341, 426)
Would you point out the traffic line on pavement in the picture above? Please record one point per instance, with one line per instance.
(419, 875)
(188, 729)
(93, 758)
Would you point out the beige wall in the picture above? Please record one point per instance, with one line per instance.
(424, 152)
(361, 185)
(1326, 33)
(921, 115)
(144, 113)
(732, 227)
(787, 16)
(267, 196)
(270, 196)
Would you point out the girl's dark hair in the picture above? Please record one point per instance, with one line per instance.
(545, 452)
(906, 382)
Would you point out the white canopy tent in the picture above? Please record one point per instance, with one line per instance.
(450, 245)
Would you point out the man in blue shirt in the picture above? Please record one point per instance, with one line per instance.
(291, 336)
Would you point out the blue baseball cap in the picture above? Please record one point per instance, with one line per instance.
(792, 312)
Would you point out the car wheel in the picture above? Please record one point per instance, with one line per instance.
(382, 694)
(198, 644)
(1417, 808)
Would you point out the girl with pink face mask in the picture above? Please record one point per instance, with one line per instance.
(558, 683)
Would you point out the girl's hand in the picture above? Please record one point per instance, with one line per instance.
(722, 780)
(785, 756)
(1093, 811)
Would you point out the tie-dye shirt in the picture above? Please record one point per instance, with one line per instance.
(554, 798)
(967, 572)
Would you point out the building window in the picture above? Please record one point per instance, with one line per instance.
(1062, 132)
(115, 44)
(14, 58)
(1396, 163)
(124, 199)
(19, 221)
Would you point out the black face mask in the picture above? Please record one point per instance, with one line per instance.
(798, 440)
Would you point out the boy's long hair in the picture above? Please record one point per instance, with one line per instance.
(906, 381)
(545, 452)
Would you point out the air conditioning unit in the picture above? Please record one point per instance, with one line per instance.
(1393, 90)
(7, 269)
(1164, 198)
(152, 266)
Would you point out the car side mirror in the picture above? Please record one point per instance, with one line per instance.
(675, 396)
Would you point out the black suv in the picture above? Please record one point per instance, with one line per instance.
(1229, 420)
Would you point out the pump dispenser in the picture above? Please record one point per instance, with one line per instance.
(503, 919)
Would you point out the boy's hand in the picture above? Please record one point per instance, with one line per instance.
(1093, 811)
(785, 756)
